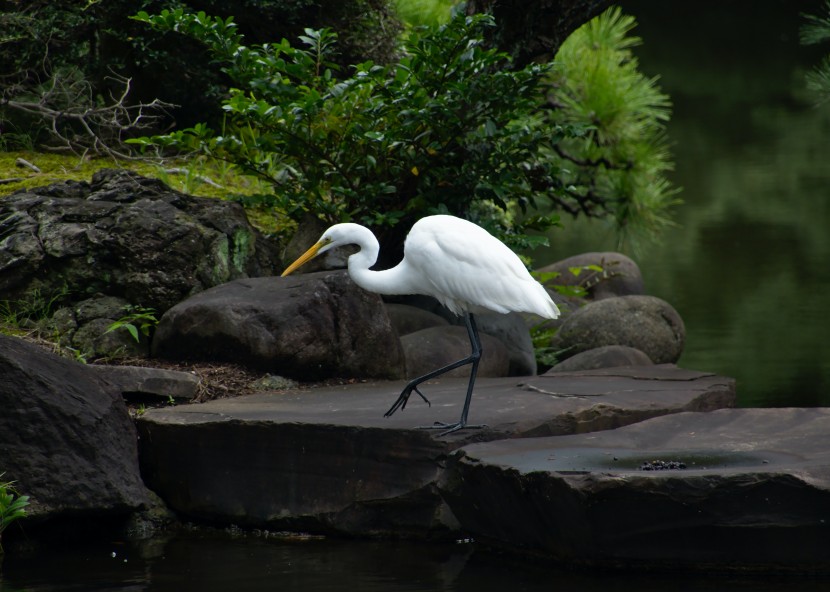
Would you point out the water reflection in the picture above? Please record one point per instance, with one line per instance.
(220, 563)
(746, 266)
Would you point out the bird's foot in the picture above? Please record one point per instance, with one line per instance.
(449, 428)
(402, 400)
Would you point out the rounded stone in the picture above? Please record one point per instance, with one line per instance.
(647, 323)
(620, 275)
(608, 356)
(430, 349)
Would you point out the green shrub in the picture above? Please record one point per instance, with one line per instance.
(449, 125)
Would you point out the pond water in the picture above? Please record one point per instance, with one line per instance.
(746, 266)
(221, 563)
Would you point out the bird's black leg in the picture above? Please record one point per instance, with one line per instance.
(473, 358)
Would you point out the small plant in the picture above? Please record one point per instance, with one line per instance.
(36, 306)
(138, 320)
(12, 506)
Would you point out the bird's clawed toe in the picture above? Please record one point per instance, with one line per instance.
(401, 402)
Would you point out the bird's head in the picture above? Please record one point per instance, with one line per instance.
(336, 236)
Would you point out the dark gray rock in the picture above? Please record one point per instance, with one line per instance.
(326, 460)
(308, 327)
(84, 326)
(620, 275)
(646, 323)
(754, 493)
(512, 330)
(140, 382)
(430, 349)
(608, 356)
(66, 439)
(127, 236)
(407, 319)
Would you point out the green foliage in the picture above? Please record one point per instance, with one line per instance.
(36, 306)
(546, 356)
(424, 12)
(616, 160)
(12, 506)
(94, 42)
(449, 125)
(137, 320)
(816, 30)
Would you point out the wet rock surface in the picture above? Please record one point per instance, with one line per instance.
(754, 493)
(326, 460)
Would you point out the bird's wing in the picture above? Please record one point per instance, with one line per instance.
(467, 269)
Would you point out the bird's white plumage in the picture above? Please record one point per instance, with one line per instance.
(469, 270)
(459, 263)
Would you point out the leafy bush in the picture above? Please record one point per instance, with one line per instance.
(447, 126)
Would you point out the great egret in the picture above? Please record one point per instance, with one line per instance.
(460, 264)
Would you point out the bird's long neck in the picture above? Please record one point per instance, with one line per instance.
(389, 281)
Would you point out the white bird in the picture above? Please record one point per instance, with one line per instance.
(457, 262)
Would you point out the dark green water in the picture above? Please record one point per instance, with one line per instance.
(747, 265)
(746, 268)
(253, 564)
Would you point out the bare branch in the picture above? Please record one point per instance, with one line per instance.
(80, 124)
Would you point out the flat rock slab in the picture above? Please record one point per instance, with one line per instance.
(754, 493)
(326, 459)
(137, 382)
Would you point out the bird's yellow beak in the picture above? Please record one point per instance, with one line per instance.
(304, 258)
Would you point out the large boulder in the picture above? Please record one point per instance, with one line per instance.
(422, 329)
(310, 327)
(511, 329)
(620, 275)
(123, 235)
(646, 323)
(66, 440)
(436, 347)
(408, 319)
